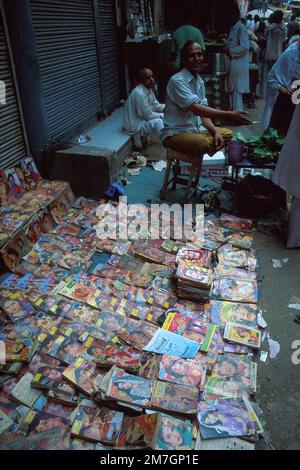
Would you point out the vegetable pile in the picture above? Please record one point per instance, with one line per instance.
(263, 149)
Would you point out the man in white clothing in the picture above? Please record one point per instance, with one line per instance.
(143, 114)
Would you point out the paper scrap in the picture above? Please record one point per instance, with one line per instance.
(133, 171)
(277, 263)
(274, 347)
(294, 306)
(263, 356)
(159, 166)
(261, 321)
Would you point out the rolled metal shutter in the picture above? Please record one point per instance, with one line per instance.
(65, 36)
(12, 139)
(110, 54)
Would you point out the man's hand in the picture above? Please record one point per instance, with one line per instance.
(286, 91)
(219, 141)
(238, 118)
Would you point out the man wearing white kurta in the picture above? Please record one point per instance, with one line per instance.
(238, 75)
(143, 114)
(287, 176)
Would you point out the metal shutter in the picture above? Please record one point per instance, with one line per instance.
(110, 54)
(12, 140)
(65, 36)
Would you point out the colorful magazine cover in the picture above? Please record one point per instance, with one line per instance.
(130, 389)
(66, 349)
(14, 184)
(218, 386)
(37, 422)
(138, 432)
(223, 312)
(182, 371)
(16, 307)
(202, 257)
(30, 172)
(97, 425)
(85, 375)
(191, 328)
(138, 335)
(230, 365)
(234, 273)
(20, 350)
(241, 334)
(190, 272)
(226, 418)
(124, 357)
(235, 291)
(173, 434)
(174, 397)
(149, 365)
(238, 259)
(236, 223)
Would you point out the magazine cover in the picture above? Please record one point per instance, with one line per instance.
(97, 425)
(174, 397)
(235, 291)
(236, 223)
(66, 349)
(173, 434)
(196, 330)
(218, 386)
(4, 188)
(37, 422)
(192, 273)
(138, 432)
(241, 240)
(231, 365)
(182, 371)
(138, 335)
(160, 298)
(30, 172)
(202, 257)
(14, 184)
(242, 334)
(234, 273)
(16, 307)
(166, 342)
(149, 365)
(225, 418)
(124, 357)
(130, 389)
(19, 350)
(223, 312)
(85, 375)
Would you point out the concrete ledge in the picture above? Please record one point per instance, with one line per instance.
(92, 167)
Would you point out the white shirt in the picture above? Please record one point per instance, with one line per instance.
(141, 106)
(183, 90)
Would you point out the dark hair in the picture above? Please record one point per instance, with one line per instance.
(276, 17)
(185, 48)
(256, 18)
(249, 17)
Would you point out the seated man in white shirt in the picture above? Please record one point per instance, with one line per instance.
(143, 114)
(188, 120)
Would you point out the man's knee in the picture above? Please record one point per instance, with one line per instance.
(227, 134)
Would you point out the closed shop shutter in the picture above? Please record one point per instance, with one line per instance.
(12, 140)
(65, 36)
(110, 54)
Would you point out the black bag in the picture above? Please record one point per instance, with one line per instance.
(258, 197)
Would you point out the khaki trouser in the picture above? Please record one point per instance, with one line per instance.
(197, 142)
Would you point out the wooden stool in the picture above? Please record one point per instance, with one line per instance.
(174, 158)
